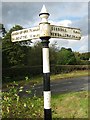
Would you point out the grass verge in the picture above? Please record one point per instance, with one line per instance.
(72, 74)
(70, 105)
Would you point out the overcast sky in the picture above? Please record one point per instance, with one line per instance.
(73, 14)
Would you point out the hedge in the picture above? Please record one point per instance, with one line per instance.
(20, 72)
(55, 69)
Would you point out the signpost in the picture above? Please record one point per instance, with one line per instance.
(45, 31)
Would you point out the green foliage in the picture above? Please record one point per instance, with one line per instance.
(66, 57)
(12, 53)
(82, 58)
(20, 72)
(2, 30)
(34, 57)
(85, 56)
(53, 53)
(17, 73)
(13, 106)
(35, 54)
(56, 69)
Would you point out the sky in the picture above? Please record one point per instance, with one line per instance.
(72, 14)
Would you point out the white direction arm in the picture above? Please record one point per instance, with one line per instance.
(25, 34)
(55, 32)
(65, 32)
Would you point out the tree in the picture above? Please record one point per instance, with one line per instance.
(77, 56)
(35, 55)
(12, 53)
(2, 29)
(66, 57)
(53, 53)
(84, 56)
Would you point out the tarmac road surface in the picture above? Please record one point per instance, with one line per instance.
(62, 86)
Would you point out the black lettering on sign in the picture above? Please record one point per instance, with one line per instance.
(51, 28)
(76, 31)
(21, 32)
(58, 34)
(16, 33)
(25, 31)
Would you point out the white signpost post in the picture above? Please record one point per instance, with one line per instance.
(45, 31)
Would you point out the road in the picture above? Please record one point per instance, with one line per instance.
(64, 86)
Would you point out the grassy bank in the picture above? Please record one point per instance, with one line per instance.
(72, 74)
(71, 105)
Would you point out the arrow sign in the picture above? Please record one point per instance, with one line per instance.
(25, 34)
(65, 32)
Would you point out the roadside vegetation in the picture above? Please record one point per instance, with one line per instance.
(70, 105)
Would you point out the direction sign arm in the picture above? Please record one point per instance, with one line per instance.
(25, 34)
(65, 32)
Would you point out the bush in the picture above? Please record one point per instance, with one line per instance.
(14, 107)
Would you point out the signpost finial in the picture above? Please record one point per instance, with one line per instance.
(43, 10)
(44, 14)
